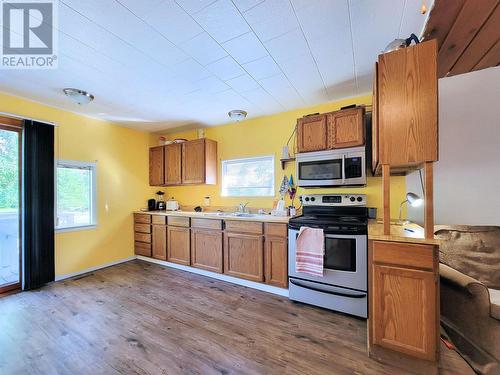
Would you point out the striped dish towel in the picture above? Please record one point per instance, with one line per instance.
(310, 251)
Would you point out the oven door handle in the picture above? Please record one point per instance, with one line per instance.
(363, 295)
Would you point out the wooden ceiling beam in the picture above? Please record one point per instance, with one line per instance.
(469, 21)
(480, 47)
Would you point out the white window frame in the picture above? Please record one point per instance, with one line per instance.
(250, 159)
(93, 193)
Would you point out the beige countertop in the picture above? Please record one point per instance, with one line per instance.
(219, 216)
(412, 233)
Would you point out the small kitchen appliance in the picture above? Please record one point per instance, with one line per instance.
(151, 204)
(344, 285)
(342, 167)
(160, 205)
(172, 204)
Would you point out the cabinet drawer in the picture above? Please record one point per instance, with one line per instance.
(277, 230)
(178, 221)
(143, 249)
(159, 219)
(206, 223)
(142, 228)
(237, 226)
(404, 254)
(142, 237)
(142, 218)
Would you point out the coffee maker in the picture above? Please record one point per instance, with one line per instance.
(151, 204)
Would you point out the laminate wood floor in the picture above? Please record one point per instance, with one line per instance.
(141, 318)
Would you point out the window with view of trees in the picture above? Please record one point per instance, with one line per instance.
(76, 194)
(249, 177)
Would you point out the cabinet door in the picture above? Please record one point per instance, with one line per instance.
(407, 105)
(159, 248)
(156, 166)
(276, 261)
(404, 310)
(142, 248)
(375, 133)
(193, 162)
(178, 245)
(173, 157)
(244, 256)
(346, 128)
(206, 250)
(311, 133)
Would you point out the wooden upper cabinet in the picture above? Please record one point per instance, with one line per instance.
(173, 158)
(156, 166)
(199, 162)
(311, 133)
(192, 162)
(408, 106)
(346, 128)
(375, 132)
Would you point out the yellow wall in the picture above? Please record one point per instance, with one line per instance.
(122, 182)
(265, 136)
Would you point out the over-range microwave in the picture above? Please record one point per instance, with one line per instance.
(341, 167)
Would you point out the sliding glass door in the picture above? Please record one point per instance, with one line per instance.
(10, 205)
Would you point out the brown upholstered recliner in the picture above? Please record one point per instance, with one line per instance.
(470, 292)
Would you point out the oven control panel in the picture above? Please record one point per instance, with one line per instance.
(333, 200)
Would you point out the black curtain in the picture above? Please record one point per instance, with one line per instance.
(38, 208)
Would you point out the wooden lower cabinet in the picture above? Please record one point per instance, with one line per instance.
(178, 249)
(159, 238)
(244, 256)
(276, 261)
(404, 309)
(206, 249)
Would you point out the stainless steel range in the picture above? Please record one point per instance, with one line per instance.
(344, 285)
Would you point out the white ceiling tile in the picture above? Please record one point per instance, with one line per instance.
(222, 21)
(141, 8)
(262, 68)
(172, 22)
(287, 46)
(374, 25)
(279, 87)
(212, 85)
(203, 49)
(263, 100)
(245, 48)
(243, 83)
(126, 53)
(413, 20)
(225, 68)
(271, 18)
(192, 6)
(190, 70)
(244, 5)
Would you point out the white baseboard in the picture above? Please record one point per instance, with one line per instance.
(218, 276)
(91, 269)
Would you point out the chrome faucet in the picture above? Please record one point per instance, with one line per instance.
(242, 208)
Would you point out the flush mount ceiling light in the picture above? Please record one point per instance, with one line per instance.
(79, 96)
(237, 114)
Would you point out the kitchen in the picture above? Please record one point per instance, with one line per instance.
(260, 212)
